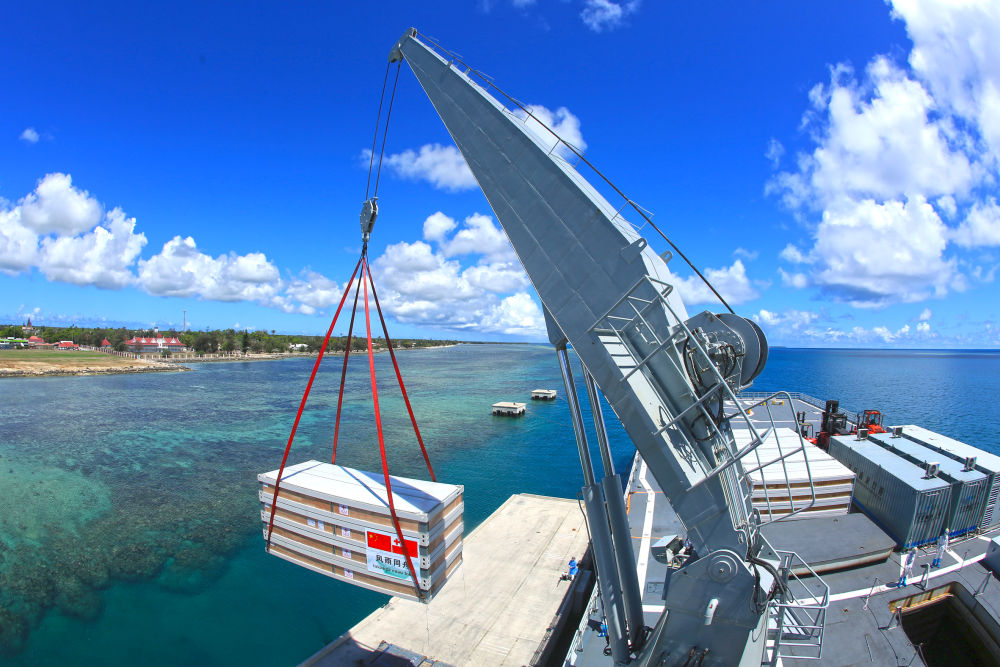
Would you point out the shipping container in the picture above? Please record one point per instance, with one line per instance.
(833, 482)
(335, 520)
(896, 494)
(968, 486)
(959, 451)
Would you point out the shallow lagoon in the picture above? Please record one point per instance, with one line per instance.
(128, 513)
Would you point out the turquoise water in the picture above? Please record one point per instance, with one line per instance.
(129, 530)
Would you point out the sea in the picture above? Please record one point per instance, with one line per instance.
(129, 519)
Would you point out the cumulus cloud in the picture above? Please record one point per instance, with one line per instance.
(905, 158)
(479, 235)
(796, 280)
(29, 135)
(441, 166)
(427, 284)
(731, 282)
(437, 226)
(604, 15)
(180, 269)
(18, 244)
(102, 257)
(925, 315)
(65, 233)
(57, 207)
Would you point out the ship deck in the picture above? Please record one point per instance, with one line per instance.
(855, 558)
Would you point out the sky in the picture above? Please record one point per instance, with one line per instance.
(832, 167)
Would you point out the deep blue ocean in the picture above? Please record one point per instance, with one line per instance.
(129, 527)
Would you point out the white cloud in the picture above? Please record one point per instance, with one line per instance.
(775, 151)
(601, 15)
(749, 255)
(63, 232)
(29, 135)
(562, 122)
(792, 254)
(180, 269)
(923, 327)
(795, 319)
(441, 166)
(925, 315)
(308, 293)
(904, 161)
(981, 226)
(437, 226)
(18, 244)
(57, 207)
(480, 236)
(427, 286)
(102, 257)
(731, 282)
(874, 254)
(796, 280)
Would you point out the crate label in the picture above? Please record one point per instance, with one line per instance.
(346, 553)
(385, 555)
(320, 525)
(345, 532)
(311, 523)
(349, 574)
(344, 509)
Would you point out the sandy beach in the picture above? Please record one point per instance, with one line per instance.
(45, 363)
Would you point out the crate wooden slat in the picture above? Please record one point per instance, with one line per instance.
(336, 521)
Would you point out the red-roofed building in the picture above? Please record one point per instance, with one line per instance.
(67, 345)
(155, 344)
(35, 340)
(105, 344)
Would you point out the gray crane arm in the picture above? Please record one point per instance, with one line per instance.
(611, 297)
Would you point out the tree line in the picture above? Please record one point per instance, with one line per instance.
(213, 341)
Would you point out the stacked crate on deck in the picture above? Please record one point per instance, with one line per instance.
(905, 502)
(832, 481)
(336, 521)
(968, 485)
(985, 462)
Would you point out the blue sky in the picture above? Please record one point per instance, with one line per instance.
(832, 166)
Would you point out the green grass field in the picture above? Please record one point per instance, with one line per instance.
(61, 359)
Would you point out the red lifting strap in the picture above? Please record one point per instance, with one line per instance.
(381, 439)
(302, 405)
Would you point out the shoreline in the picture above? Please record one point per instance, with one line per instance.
(68, 372)
(177, 365)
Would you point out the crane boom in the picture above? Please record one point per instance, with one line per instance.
(667, 376)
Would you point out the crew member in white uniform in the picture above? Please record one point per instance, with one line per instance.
(942, 545)
(908, 560)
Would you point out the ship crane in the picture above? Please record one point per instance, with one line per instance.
(669, 377)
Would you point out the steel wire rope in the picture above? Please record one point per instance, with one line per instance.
(378, 124)
(385, 133)
(638, 209)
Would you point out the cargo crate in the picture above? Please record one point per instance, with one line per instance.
(335, 520)
(899, 496)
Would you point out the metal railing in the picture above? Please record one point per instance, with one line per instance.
(648, 298)
(798, 614)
